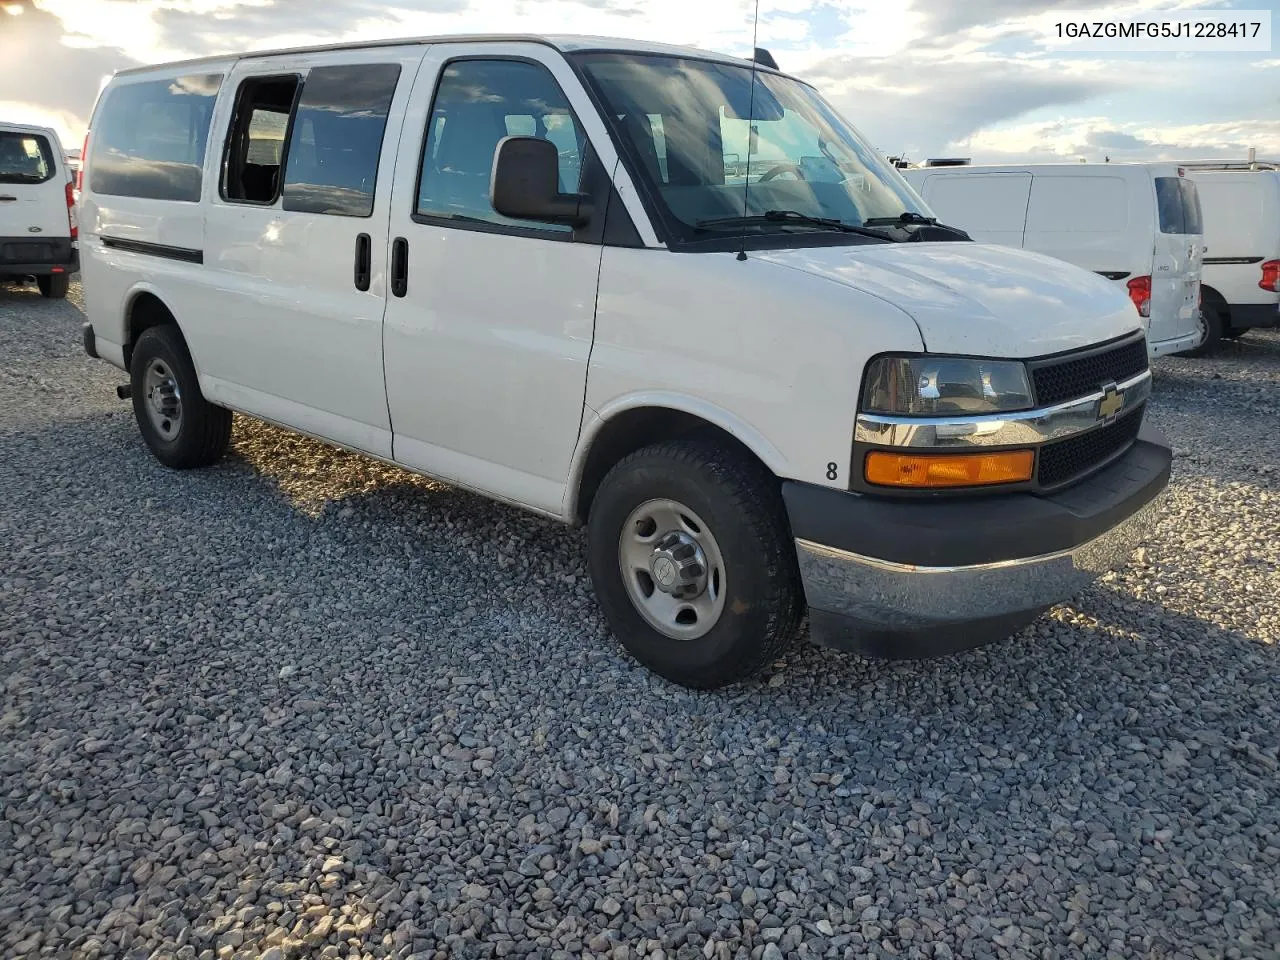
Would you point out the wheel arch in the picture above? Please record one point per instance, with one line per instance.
(631, 423)
(1208, 293)
(144, 308)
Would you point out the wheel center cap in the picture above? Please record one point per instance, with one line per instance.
(678, 565)
(664, 571)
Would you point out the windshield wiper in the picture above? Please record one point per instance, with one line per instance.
(909, 216)
(790, 216)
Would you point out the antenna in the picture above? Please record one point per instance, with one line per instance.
(751, 112)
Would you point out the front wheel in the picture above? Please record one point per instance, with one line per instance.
(693, 562)
(182, 428)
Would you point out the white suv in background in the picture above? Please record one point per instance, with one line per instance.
(664, 293)
(37, 210)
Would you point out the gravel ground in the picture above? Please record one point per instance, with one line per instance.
(305, 705)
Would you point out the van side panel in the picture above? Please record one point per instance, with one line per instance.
(990, 207)
(1087, 221)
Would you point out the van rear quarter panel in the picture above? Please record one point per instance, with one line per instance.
(1241, 220)
(114, 277)
(772, 356)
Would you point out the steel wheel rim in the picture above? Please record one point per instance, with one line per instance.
(672, 569)
(163, 399)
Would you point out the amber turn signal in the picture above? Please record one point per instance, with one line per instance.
(962, 470)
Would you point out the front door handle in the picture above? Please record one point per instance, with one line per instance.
(364, 253)
(400, 267)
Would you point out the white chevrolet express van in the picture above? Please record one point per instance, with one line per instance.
(1241, 286)
(37, 210)
(1136, 224)
(530, 267)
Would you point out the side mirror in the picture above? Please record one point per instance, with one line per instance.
(525, 183)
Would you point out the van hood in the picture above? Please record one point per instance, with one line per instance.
(978, 299)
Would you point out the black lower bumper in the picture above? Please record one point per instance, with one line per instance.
(924, 577)
(35, 257)
(1246, 316)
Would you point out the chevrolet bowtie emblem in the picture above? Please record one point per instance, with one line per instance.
(1112, 402)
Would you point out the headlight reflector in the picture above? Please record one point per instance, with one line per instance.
(930, 386)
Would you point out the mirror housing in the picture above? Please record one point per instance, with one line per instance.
(525, 183)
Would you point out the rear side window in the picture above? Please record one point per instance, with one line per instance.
(149, 138)
(337, 139)
(25, 158)
(1179, 205)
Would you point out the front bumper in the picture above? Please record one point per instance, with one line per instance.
(910, 579)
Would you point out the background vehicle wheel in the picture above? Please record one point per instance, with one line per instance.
(182, 429)
(54, 285)
(1212, 322)
(693, 562)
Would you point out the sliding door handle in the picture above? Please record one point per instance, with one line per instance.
(364, 254)
(400, 267)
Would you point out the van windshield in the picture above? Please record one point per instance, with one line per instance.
(683, 126)
(24, 158)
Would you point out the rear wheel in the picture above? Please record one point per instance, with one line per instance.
(182, 428)
(693, 562)
(1212, 324)
(54, 285)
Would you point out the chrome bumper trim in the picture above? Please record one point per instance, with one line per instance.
(894, 596)
(1026, 427)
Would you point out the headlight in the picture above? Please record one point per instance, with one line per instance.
(944, 386)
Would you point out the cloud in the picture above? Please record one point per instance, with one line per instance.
(42, 78)
(1091, 137)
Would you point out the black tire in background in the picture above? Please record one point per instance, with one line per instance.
(54, 286)
(741, 504)
(205, 429)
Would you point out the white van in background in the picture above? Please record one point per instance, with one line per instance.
(1135, 224)
(1241, 285)
(37, 210)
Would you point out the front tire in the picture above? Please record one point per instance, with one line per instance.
(54, 286)
(181, 427)
(693, 562)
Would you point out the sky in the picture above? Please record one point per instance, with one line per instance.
(920, 78)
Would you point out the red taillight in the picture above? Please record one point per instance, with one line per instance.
(1270, 276)
(1140, 294)
(84, 154)
(72, 220)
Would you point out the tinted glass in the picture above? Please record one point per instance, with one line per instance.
(1169, 201)
(337, 139)
(684, 125)
(1191, 219)
(25, 158)
(478, 103)
(149, 139)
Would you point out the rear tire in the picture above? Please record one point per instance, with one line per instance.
(182, 428)
(54, 286)
(727, 510)
(1213, 321)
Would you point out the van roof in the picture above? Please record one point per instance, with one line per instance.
(1155, 168)
(565, 43)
